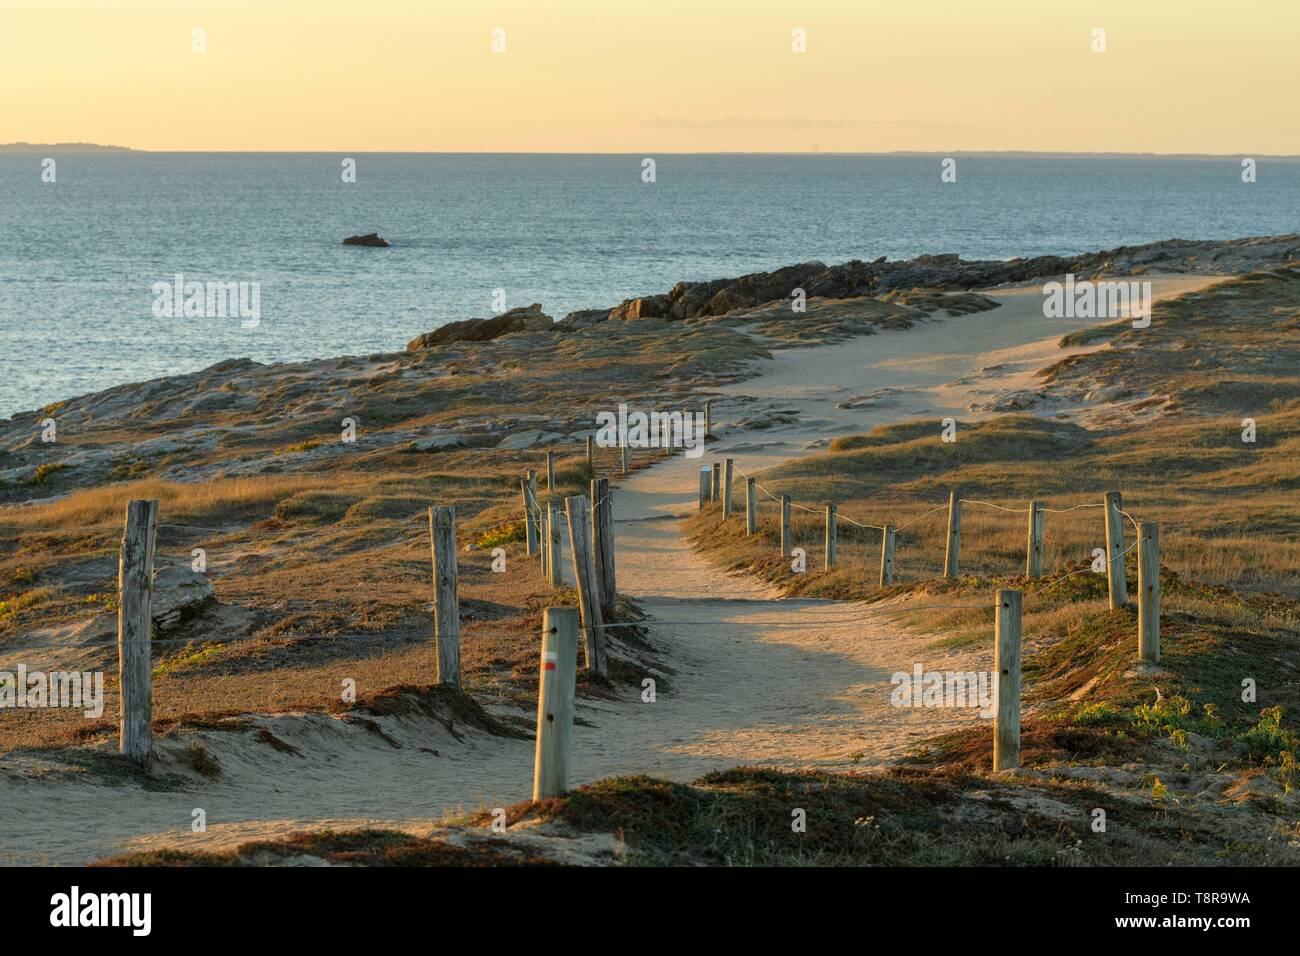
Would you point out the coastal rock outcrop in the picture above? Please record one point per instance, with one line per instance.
(647, 307)
(532, 438)
(369, 239)
(178, 593)
(583, 318)
(949, 272)
(523, 319)
(720, 296)
(438, 443)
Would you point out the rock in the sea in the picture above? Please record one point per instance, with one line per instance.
(369, 239)
(178, 592)
(522, 319)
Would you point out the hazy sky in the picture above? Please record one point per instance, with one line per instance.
(642, 75)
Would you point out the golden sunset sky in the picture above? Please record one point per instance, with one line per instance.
(1178, 76)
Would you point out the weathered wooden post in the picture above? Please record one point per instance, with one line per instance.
(584, 576)
(1006, 723)
(785, 525)
(550, 472)
(1115, 550)
(602, 531)
(539, 526)
(134, 631)
(554, 563)
(751, 507)
(530, 522)
(708, 419)
(597, 506)
(555, 696)
(446, 602)
(545, 540)
(831, 534)
(1034, 548)
(953, 546)
(1149, 592)
(727, 466)
(887, 555)
(715, 492)
(706, 482)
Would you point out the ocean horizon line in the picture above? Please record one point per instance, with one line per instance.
(21, 147)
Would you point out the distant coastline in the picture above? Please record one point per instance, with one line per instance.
(64, 148)
(22, 147)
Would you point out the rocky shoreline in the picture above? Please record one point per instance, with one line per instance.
(519, 379)
(859, 279)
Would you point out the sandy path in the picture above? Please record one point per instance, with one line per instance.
(758, 681)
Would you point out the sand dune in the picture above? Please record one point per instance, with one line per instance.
(759, 680)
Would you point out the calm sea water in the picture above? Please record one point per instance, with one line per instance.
(78, 257)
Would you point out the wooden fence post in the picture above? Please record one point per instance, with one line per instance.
(1006, 723)
(832, 529)
(785, 525)
(715, 491)
(584, 576)
(951, 554)
(446, 602)
(1149, 592)
(887, 555)
(597, 506)
(751, 507)
(539, 528)
(530, 522)
(554, 562)
(555, 696)
(727, 469)
(545, 540)
(1034, 548)
(1115, 550)
(708, 419)
(706, 481)
(602, 537)
(550, 472)
(134, 631)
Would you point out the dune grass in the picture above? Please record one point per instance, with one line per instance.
(1229, 512)
(1216, 724)
(301, 554)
